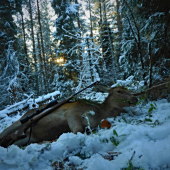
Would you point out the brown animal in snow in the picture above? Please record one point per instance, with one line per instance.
(72, 117)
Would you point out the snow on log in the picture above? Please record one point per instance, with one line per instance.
(28, 103)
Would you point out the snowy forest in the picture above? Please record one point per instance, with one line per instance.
(51, 49)
(64, 45)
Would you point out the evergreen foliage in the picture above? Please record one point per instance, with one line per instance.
(144, 40)
(10, 80)
(8, 28)
(67, 14)
(107, 49)
(99, 40)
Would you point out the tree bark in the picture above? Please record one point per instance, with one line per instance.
(150, 69)
(23, 29)
(79, 48)
(110, 45)
(41, 67)
(89, 52)
(39, 21)
(90, 58)
(42, 44)
(34, 53)
(91, 25)
(119, 23)
(32, 32)
(100, 24)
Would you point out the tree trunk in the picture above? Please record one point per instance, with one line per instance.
(25, 46)
(100, 24)
(90, 57)
(150, 69)
(39, 21)
(34, 53)
(89, 53)
(79, 48)
(42, 45)
(41, 76)
(91, 25)
(100, 6)
(119, 22)
(32, 32)
(110, 45)
(119, 25)
(23, 29)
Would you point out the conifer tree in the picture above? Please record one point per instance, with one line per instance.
(10, 79)
(9, 66)
(144, 25)
(66, 51)
(107, 75)
(8, 28)
(47, 41)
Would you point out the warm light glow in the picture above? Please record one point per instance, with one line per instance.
(61, 59)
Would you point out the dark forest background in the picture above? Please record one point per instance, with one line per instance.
(40, 54)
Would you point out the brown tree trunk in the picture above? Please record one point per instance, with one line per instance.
(41, 67)
(119, 25)
(39, 21)
(32, 32)
(42, 44)
(100, 7)
(119, 22)
(23, 29)
(25, 46)
(89, 53)
(110, 45)
(34, 53)
(79, 48)
(91, 25)
(150, 69)
(39, 52)
(105, 17)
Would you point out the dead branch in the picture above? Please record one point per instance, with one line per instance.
(160, 86)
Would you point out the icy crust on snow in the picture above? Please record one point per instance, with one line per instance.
(146, 134)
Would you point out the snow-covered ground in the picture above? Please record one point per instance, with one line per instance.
(138, 138)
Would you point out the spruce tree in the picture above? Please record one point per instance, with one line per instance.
(108, 74)
(9, 66)
(66, 51)
(145, 39)
(8, 28)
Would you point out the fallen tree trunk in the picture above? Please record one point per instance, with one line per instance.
(157, 91)
(25, 104)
